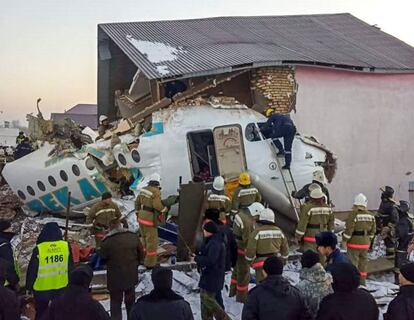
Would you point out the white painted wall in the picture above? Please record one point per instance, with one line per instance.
(8, 136)
(368, 121)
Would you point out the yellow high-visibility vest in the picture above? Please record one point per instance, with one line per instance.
(52, 273)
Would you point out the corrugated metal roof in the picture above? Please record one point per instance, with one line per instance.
(214, 45)
(84, 108)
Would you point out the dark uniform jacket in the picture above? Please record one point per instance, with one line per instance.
(402, 307)
(121, 250)
(76, 303)
(336, 257)
(277, 125)
(355, 305)
(9, 306)
(23, 149)
(404, 232)
(275, 299)
(161, 305)
(230, 243)
(6, 253)
(387, 212)
(304, 193)
(211, 261)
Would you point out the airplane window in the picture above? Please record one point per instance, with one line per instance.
(63, 175)
(75, 170)
(122, 159)
(52, 181)
(90, 164)
(135, 156)
(21, 195)
(41, 186)
(251, 133)
(30, 190)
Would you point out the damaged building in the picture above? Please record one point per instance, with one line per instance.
(348, 83)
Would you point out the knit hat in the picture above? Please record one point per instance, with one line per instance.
(106, 195)
(407, 271)
(210, 227)
(4, 225)
(273, 266)
(326, 239)
(309, 259)
(81, 276)
(345, 276)
(162, 278)
(212, 214)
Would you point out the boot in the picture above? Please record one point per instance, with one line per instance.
(288, 160)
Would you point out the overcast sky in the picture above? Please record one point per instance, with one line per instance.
(48, 47)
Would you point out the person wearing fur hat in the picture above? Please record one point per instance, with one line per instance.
(6, 253)
(76, 302)
(274, 298)
(315, 283)
(162, 302)
(348, 302)
(326, 243)
(211, 262)
(402, 307)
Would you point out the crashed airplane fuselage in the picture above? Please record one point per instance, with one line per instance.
(185, 143)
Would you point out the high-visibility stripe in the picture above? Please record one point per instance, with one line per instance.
(363, 274)
(151, 253)
(258, 264)
(242, 288)
(309, 239)
(301, 233)
(146, 222)
(110, 210)
(238, 221)
(357, 246)
(269, 234)
(241, 252)
(233, 281)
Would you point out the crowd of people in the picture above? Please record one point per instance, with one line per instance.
(239, 233)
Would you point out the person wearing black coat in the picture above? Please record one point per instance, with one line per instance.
(76, 302)
(50, 232)
(6, 253)
(348, 302)
(274, 298)
(211, 262)
(404, 232)
(402, 307)
(9, 305)
(162, 302)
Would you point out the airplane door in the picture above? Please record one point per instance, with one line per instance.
(229, 147)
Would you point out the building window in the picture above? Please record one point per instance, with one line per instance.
(63, 175)
(52, 181)
(122, 159)
(135, 156)
(21, 195)
(41, 186)
(75, 170)
(30, 191)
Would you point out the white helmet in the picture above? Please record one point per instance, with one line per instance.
(317, 193)
(267, 215)
(314, 186)
(218, 183)
(361, 200)
(102, 118)
(319, 176)
(255, 208)
(155, 177)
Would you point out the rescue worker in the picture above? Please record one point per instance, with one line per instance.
(315, 217)
(218, 200)
(265, 241)
(404, 231)
(20, 138)
(9, 304)
(318, 179)
(104, 125)
(359, 232)
(326, 243)
(101, 214)
(242, 228)
(150, 212)
(6, 253)
(49, 266)
(281, 126)
(23, 149)
(245, 194)
(387, 217)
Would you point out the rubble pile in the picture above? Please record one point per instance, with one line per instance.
(9, 203)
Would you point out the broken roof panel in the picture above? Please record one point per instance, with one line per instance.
(214, 45)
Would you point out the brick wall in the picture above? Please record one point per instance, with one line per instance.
(274, 87)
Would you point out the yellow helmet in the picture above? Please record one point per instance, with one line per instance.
(244, 179)
(269, 112)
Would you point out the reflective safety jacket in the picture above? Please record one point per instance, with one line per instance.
(242, 228)
(149, 208)
(360, 228)
(53, 266)
(313, 220)
(220, 202)
(101, 214)
(244, 196)
(265, 241)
